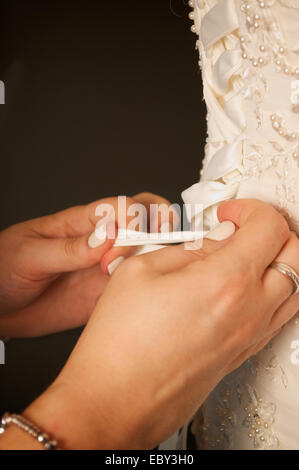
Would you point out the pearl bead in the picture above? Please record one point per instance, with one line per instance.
(276, 124)
(257, 17)
(256, 25)
(261, 60)
(191, 3)
(244, 55)
(193, 28)
(281, 132)
(273, 117)
(297, 71)
(293, 135)
(281, 50)
(242, 39)
(255, 63)
(286, 70)
(262, 4)
(278, 62)
(295, 154)
(191, 15)
(262, 48)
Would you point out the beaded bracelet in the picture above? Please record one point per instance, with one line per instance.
(25, 425)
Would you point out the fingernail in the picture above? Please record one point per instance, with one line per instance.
(107, 230)
(114, 264)
(111, 230)
(222, 231)
(96, 239)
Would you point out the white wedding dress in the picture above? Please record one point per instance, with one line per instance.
(249, 57)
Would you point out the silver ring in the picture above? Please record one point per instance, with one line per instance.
(286, 270)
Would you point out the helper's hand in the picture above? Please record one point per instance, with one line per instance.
(169, 326)
(50, 277)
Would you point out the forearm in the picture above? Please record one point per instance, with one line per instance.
(61, 413)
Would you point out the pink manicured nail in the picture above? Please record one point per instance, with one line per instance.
(102, 233)
(111, 230)
(95, 240)
(222, 231)
(114, 264)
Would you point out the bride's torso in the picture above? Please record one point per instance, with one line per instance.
(249, 56)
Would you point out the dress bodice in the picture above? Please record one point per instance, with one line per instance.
(249, 57)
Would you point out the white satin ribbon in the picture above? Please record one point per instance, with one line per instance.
(226, 160)
(226, 117)
(227, 64)
(208, 193)
(128, 237)
(221, 20)
(226, 128)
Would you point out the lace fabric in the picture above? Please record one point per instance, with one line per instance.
(250, 68)
(290, 3)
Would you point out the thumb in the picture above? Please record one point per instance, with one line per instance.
(58, 255)
(177, 257)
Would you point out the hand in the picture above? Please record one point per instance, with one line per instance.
(169, 326)
(50, 278)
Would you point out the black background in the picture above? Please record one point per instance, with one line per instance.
(102, 98)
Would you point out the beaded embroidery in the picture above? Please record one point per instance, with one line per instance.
(236, 402)
(262, 43)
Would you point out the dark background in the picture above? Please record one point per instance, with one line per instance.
(102, 98)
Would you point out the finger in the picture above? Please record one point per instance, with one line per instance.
(285, 312)
(177, 257)
(130, 212)
(261, 236)
(151, 203)
(58, 255)
(277, 286)
(80, 220)
(249, 352)
(71, 222)
(165, 213)
(261, 344)
(67, 303)
(114, 257)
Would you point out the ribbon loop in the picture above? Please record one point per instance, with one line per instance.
(221, 20)
(226, 66)
(225, 160)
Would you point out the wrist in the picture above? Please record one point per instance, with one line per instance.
(74, 421)
(15, 438)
